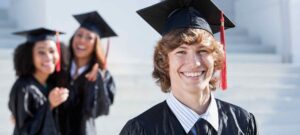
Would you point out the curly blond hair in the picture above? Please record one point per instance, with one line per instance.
(175, 38)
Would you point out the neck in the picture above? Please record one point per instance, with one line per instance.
(41, 78)
(197, 101)
(80, 62)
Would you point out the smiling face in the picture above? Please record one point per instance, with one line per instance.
(187, 58)
(45, 57)
(83, 43)
(191, 67)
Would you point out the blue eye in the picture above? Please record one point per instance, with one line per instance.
(181, 52)
(203, 51)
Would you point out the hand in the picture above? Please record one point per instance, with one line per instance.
(92, 75)
(57, 96)
(13, 119)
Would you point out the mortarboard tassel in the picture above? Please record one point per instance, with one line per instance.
(106, 54)
(224, 69)
(58, 66)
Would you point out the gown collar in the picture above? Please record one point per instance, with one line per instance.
(80, 70)
(187, 117)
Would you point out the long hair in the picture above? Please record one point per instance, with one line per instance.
(174, 39)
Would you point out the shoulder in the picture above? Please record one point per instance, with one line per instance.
(226, 107)
(147, 120)
(153, 114)
(26, 86)
(22, 82)
(235, 114)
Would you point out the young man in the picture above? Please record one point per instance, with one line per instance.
(186, 61)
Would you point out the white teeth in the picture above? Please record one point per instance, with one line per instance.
(48, 64)
(192, 74)
(81, 47)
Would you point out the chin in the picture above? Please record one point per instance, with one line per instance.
(80, 55)
(49, 71)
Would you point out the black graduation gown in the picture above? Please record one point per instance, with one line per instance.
(87, 100)
(28, 103)
(160, 120)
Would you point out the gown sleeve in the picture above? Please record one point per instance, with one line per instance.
(97, 100)
(133, 127)
(109, 86)
(252, 127)
(31, 118)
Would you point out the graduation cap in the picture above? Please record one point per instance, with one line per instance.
(94, 22)
(168, 15)
(40, 34)
(171, 14)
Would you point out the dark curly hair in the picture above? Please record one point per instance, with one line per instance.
(174, 39)
(23, 59)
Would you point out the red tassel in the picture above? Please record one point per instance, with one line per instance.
(58, 66)
(106, 54)
(224, 69)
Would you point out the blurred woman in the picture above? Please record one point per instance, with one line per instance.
(91, 94)
(37, 90)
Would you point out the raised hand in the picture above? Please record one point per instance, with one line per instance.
(92, 75)
(57, 96)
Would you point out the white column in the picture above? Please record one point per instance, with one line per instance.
(262, 19)
(285, 47)
(295, 30)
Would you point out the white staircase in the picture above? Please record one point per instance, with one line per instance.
(7, 27)
(238, 40)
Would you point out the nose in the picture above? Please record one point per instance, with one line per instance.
(48, 56)
(81, 39)
(194, 60)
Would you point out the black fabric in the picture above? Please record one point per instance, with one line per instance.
(186, 18)
(38, 34)
(168, 15)
(160, 120)
(87, 100)
(202, 127)
(109, 86)
(94, 22)
(29, 105)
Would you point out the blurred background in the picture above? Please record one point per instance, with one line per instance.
(263, 56)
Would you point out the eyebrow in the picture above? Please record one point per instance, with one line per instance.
(44, 47)
(202, 46)
(41, 47)
(183, 46)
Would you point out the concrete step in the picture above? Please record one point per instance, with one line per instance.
(235, 32)
(7, 32)
(3, 14)
(6, 23)
(253, 58)
(241, 39)
(8, 40)
(251, 48)
(9, 43)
